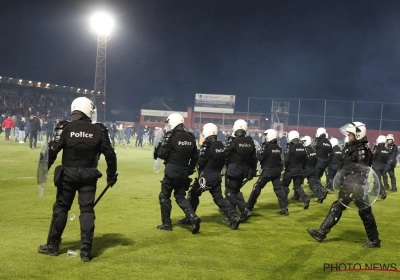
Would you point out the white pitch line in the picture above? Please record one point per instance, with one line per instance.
(20, 178)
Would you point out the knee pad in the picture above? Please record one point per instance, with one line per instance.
(163, 197)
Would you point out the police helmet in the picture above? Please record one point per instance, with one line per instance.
(381, 139)
(320, 131)
(293, 135)
(334, 142)
(209, 129)
(85, 106)
(173, 121)
(306, 141)
(390, 137)
(239, 125)
(358, 129)
(270, 134)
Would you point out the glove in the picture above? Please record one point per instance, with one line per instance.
(250, 174)
(111, 180)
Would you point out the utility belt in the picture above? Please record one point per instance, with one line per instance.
(75, 175)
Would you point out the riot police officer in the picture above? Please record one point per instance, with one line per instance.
(270, 159)
(295, 161)
(211, 162)
(179, 152)
(380, 160)
(310, 173)
(323, 149)
(333, 165)
(241, 162)
(356, 151)
(82, 141)
(391, 164)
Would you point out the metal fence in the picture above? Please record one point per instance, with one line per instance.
(332, 113)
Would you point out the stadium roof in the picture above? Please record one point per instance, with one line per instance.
(158, 103)
(42, 85)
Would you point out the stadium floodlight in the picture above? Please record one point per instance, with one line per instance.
(102, 25)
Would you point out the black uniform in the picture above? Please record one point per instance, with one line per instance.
(81, 142)
(333, 166)
(295, 161)
(309, 172)
(211, 162)
(381, 158)
(354, 152)
(271, 163)
(391, 164)
(324, 152)
(179, 152)
(241, 162)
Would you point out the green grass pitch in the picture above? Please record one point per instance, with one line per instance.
(127, 244)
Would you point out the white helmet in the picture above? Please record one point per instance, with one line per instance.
(358, 129)
(334, 142)
(239, 125)
(320, 131)
(390, 137)
(173, 121)
(306, 141)
(209, 129)
(86, 106)
(381, 139)
(293, 135)
(270, 134)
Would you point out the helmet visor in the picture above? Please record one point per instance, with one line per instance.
(94, 116)
(344, 129)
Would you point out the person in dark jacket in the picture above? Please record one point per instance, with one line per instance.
(179, 152)
(391, 164)
(381, 158)
(356, 155)
(34, 123)
(241, 164)
(323, 148)
(211, 162)
(333, 165)
(295, 161)
(270, 159)
(82, 143)
(310, 173)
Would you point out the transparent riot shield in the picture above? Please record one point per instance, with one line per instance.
(157, 163)
(42, 170)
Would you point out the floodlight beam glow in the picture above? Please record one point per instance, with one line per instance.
(102, 23)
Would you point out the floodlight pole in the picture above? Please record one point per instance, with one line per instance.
(100, 76)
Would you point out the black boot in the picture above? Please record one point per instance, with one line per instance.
(322, 195)
(330, 220)
(284, 212)
(306, 202)
(86, 253)
(255, 193)
(234, 222)
(165, 206)
(165, 227)
(194, 220)
(184, 221)
(57, 225)
(370, 228)
(246, 214)
(50, 249)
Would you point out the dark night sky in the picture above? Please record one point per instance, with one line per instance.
(346, 50)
